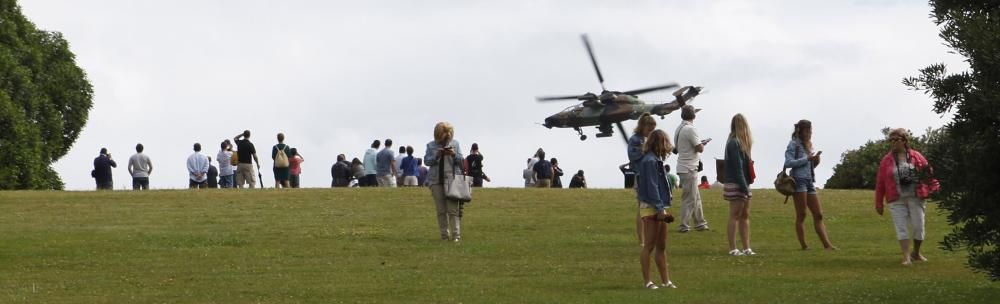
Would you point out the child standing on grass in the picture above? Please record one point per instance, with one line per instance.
(654, 194)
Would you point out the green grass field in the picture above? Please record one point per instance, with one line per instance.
(381, 245)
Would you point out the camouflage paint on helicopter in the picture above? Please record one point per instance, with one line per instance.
(612, 107)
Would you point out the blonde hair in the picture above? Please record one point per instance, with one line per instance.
(659, 143)
(740, 130)
(902, 133)
(443, 132)
(646, 124)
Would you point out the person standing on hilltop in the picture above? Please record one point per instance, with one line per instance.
(102, 170)
(246, 150)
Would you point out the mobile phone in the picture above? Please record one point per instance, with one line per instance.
(706, 140)
(818, 153)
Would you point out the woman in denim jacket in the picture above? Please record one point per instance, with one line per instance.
(799, 156)
(444, 156)
(654, 194)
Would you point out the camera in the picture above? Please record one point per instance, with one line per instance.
(907, 178)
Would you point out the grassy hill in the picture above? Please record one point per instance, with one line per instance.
(381, 245)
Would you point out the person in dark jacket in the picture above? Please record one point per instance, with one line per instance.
(213, 175)
(556, 173)
(475, 162)
(102, 170)
(578, 181)
(341, 172)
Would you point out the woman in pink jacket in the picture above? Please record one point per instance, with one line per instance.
(904, 181)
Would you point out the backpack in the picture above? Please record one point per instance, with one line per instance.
(281, 159)
(234, 160)
(786, 184)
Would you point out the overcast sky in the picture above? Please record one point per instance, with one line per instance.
(335, 75)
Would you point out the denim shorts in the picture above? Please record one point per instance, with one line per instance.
(804, 185)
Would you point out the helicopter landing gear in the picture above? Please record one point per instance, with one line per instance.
(582, 137)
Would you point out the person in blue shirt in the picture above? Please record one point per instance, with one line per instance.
(801, 158)
(655, 195)
(409, 168)
(645, 126)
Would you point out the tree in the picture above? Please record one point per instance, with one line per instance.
(857, 168)
(44, 101)
(966, 161)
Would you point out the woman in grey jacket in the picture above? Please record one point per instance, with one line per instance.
(799, 156)
(444, 156)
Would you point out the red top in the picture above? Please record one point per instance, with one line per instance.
(704, 185)
(885, 183)
(294, 164)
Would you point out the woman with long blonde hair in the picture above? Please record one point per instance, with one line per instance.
(643, 128)
(736, 184)
(654, 195)
(444, 156)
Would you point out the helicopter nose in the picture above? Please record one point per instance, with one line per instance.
(550, 122)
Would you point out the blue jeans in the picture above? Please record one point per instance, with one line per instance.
(226, 181)
(804, 185)
(140, 183)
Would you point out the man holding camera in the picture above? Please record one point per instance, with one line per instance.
(688, 148)
(102, 170)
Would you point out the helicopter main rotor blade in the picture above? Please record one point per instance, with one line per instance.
(554, 98)
(652, 89)
(593, 60)
(621, 130)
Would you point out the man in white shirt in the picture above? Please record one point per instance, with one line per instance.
(399, 162)
(197, 165)
(139, 166)
(688, 146)
(370, 161)
(226, 170)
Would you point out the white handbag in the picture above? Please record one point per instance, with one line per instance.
(460, 187)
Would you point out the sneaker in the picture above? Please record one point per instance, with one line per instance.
(749, 252)
(650, 285)
(668, 284)
(458, 239)
(683, 230)
(702, 228)
(735, 252)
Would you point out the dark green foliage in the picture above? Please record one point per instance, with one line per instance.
(44, 101)
(967, 161)
(857, 168)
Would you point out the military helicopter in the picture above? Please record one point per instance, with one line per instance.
(612, 107)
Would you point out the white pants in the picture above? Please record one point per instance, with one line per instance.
(409, 180)
(449, 214)
(387, 181)
(907, 214)
(691, 202)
